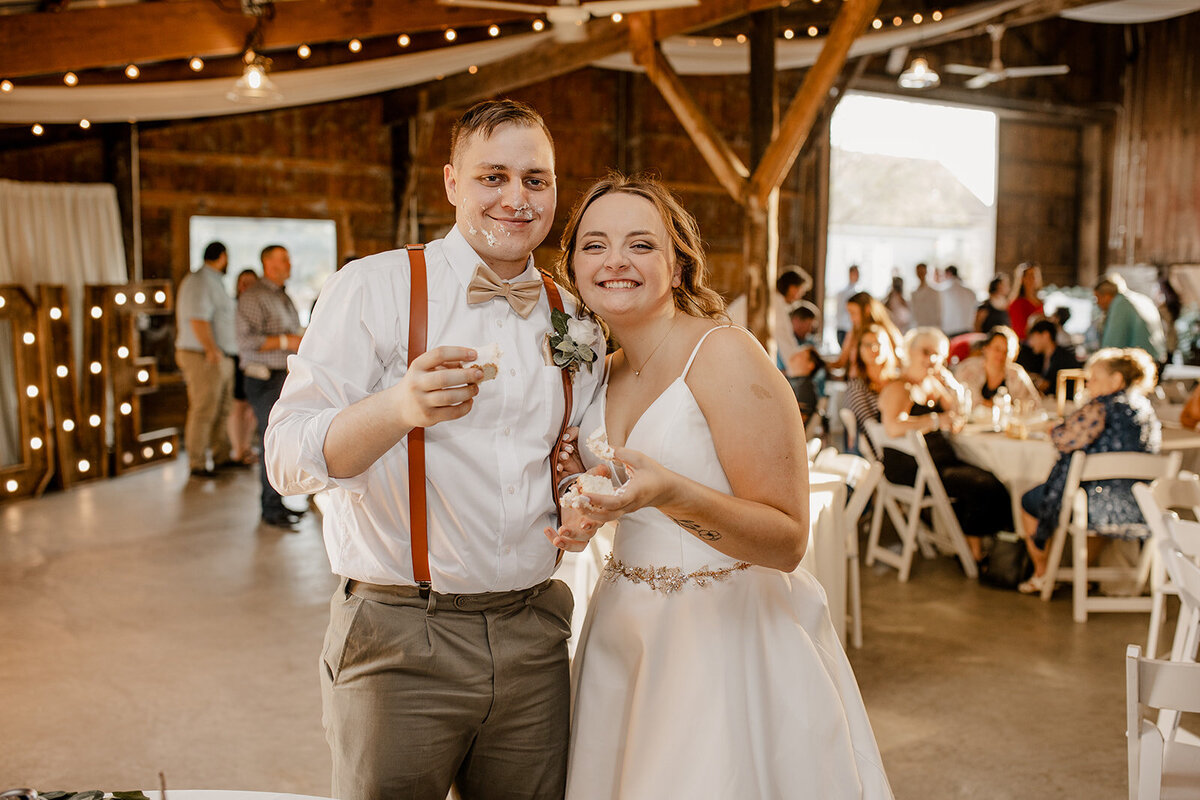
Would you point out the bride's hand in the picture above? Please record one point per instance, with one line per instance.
(575, 530)
(648, 485)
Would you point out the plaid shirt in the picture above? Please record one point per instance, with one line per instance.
(264, 310)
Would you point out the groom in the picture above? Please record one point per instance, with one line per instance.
(463, 682)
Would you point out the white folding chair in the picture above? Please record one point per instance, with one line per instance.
(903, 504)
(1156, 501)
(1073, 521)
(1184, 572)
(1160, 765)
(814, 447)
(862, 476)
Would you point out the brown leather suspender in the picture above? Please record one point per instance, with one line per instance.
(418, 325)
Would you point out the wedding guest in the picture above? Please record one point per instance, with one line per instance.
(713, 522)
(1130, 319)
(843, 297)
(898, 306)
(268, 330)
(876, 363)
(995, 368)
(1189, 417)
(864, 311)
(805, 325)
(1043, 358)
(204, 345)
(789, 288)
(925, 398)
(958, 305)
(994, 310)
(460, 680)
(241, 416)
(1025, 302)
(1170, 306)
(926, 301)
(809, 383)
(1118, 418)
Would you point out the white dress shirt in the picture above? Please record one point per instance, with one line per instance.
(926, 303)
(843, 314)
(959, 304)
(782, 331)
(488, 488)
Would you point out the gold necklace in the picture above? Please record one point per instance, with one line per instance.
(637, 373)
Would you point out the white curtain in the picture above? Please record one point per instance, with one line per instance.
(61, 233)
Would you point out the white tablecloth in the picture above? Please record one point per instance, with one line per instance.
(1020, 464)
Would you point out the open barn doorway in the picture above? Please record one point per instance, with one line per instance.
(909, 182)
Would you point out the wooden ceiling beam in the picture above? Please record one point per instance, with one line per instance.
(142, 33)
(725, 164)
(851, 21)
(605, 38)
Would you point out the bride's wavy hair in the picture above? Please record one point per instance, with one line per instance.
(693, 296)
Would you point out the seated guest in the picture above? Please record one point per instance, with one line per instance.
(924, 398)
(865, 311)
(875, 363)
(1043, 358)
(804, 323)
(1190, 416)
(808, 384)
(995, 368)
(994, 310)
(1118, 418)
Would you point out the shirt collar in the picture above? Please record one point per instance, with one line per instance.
(463, 259)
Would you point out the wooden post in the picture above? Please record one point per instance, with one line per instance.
(1091, 168)
(764, 90)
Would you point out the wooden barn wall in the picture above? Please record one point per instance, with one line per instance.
(1037, 198)
(1156, 204)
(329, 161)
(602, 119)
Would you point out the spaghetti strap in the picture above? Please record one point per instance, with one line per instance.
(688, 366)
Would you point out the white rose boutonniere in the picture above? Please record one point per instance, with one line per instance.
(571, 342)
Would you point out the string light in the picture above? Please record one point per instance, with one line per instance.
(122, 352)
(472, 69)
(160, 296)
(494, 31)
(139, 297)
(917, 18)
(812, 30)
(404, 40)
(55, 313)
(96, 312)
(877, 23)
(937, 16)
(897, 21)
(132, 72)
(197, 63)
(29, 338)
(717, 42)
(83, 123)
(143, 376)
(62, 371)
(741, 38)
(119, 298)
(617, 17)
(355, 45)
(31, 390)
(127, 458)
(94, 420)
(84, 465)
(304, 51)
(126, 409)
(788, 33)
(94, 368)
(167, 448)
(539, 25)
(147, 452)
(451, 34)
(3, 301)
(70, 79)
(6, 86)
(12, 486)
(35, 443)
(37, 129)
(68, 425)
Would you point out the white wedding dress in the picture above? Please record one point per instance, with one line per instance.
(732, 685)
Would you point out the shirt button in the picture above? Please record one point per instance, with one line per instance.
(512, 372)
(511, 490)
(507, 430)
(499, 323)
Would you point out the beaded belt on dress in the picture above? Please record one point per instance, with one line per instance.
(666, 579)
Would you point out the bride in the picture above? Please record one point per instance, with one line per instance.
(707, 668)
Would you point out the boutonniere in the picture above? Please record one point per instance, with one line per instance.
(571, 342)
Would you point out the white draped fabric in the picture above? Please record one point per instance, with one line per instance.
(61, 233)
(1132, 12)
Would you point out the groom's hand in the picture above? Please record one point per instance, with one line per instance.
(437, 387)
(575, 532)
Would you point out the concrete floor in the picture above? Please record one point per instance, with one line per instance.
(148, 623)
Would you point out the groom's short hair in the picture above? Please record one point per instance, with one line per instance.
(484, 118)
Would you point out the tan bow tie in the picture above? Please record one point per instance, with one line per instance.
(486, 285)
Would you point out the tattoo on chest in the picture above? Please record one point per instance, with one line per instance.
(759, 392)
(704, 533)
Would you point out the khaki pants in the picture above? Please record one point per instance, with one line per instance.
(210, 397)
(465, 690)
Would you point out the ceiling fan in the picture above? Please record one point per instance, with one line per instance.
(995, 71)
(569, 16)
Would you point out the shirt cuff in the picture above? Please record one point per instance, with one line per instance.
(312, 457)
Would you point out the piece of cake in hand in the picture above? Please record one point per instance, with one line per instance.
(597, 443)
(487, 358)
(587, 483)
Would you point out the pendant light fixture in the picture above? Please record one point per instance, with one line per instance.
(919, 75)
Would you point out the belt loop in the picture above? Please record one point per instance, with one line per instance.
(431, 605)
(348, 586)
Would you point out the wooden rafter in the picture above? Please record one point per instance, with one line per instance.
(851, 21)
(42, 43)
(717, 153)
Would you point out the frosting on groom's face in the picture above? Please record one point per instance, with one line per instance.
(504, 194)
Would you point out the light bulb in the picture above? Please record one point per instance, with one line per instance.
(37, 129)
(196, 63)
(28, 337)
(538, 25)
(132, 72)
(94, 420)
(139, 297)
(355, 45)
(304, 51)
(94, 367)
(494, 31)
(788, 33)
(143, 376)
(160, 296)
(877, 23)
(70, 79)
(404, 40)
(85, 124)
(31, 390)
(451, 34)
(126, 409)
(741, 38)
(122, 352)
(84, 465)
(6, 86)
(96, 312)
(812, 30)
(147, 452)
(35, 443)
(62, 371)
(167, 448)
(11, 486)
(55, 313)
(617, 17)
(68, 425)
(119, 298)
